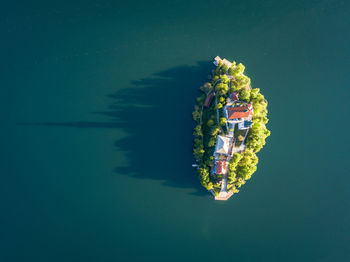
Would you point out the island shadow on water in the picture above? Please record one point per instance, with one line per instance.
(156, 116)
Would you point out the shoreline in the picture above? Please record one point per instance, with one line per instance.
(231, 128)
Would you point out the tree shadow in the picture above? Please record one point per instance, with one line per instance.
(156, 116)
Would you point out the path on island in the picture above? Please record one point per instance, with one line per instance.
(223, 195)
(224, 179)
(224, 184)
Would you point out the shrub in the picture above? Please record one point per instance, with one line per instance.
(198, 131)
(210, 122)
(218, 106)
(206, 88)
(196, 116)
(223, 121)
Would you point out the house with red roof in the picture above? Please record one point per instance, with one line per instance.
(234, 96)
(208, 100)
(221, 167)
(236, 114)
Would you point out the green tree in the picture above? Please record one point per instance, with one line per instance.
(247, 165)
(254, 93)
(239, 182)
(234, 190)
(239, 69)
(203, 175)
(236, 157)
(231, 70)
(210, 122)
(218, 106)
(235, 85)
(242, 81)
(198, 153)
(223, 69)
(212, 142)
(196, 116)
(244, 94)
(223, 121)
(198, 131)
(215, 131)
(218, 68)
(232, 176)
(214, 79)
(206, 88)
(221, 89)
(200, 100)
(257, 135)
(198, 142)
(210, 186)
(224, 79)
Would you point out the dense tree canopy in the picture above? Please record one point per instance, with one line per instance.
(203, 175)
(231, 177)
(224, 79)
(244, 94)
(221, 89)
(239, 69)
(247, 165)
(196, 115)
(258, 132)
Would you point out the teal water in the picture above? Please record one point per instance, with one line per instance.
(96, 131)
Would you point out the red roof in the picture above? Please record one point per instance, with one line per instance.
(221, 167)
(208, 99)
(234, 96)
(239, 112)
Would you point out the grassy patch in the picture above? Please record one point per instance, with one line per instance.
(238, 133)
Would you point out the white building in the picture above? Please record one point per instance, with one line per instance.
(217, 59)
(223, 146)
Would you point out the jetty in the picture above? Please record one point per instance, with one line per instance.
(223, 195)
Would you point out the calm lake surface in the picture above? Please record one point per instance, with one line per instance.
(96, 131)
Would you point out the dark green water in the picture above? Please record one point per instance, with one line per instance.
(96, 101)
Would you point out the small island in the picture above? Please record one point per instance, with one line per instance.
(231, 119)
